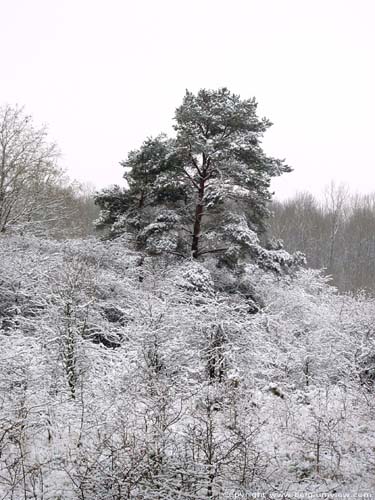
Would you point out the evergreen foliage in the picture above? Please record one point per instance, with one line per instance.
(204, 191)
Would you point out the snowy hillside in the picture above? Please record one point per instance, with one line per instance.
(127, 376)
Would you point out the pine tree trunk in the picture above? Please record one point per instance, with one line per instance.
(198, 219)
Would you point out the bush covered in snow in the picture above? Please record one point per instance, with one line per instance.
(125, 376)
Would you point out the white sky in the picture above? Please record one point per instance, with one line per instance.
(105, 74)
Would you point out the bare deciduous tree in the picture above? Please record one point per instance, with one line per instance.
(27, 165)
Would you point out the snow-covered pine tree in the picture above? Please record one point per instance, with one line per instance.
(205, 191)
(219, 138)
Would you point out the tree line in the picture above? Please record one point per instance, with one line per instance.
(336, 233)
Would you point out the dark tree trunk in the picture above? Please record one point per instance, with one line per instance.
(141, 200)
(198, 219)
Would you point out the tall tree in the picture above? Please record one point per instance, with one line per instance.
(219, 137)
(206, 190)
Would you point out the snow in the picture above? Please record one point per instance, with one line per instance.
(198, 395)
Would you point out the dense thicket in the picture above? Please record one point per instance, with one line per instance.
(125, 376)
(336, 233)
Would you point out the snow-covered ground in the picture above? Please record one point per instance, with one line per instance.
(124, 376)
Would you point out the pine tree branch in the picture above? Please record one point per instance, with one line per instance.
(193, 160)
(191, 178)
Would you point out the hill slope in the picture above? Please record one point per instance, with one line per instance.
(124, 377)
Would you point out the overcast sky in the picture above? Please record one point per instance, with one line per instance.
(105, 74)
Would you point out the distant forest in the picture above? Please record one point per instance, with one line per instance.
(335, 232)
